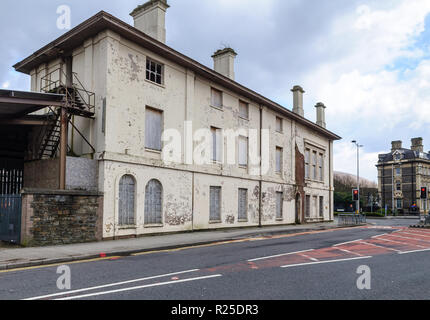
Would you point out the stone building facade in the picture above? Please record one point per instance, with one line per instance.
(401, 175)
(154, 103)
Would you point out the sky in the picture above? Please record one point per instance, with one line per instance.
(368, 61)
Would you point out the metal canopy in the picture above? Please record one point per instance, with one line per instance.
(17, 104)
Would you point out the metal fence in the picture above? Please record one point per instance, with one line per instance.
(351, 219)
(10, 218)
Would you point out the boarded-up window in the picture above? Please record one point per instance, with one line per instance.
(215, 204)
(243, 204)
(278, 124)
(243, 110)
(321, 166)
(216, 144)
(153, 202)
(308, 207)
(314, 165)
(127, 194)
(153, 129)
(279, 205)
(279, 159)
(315, 209)
(243, 151)
(307, 162)
(321, 207)
(216, 98)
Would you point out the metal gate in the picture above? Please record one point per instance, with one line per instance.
(10, 218)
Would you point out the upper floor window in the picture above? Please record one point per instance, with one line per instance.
(154, 71)
(321, 166)
(243, 151)
(153, 129)
(314, 165)
(216, 98)
(279, 124)
(243, 110)
(278, 159)
(307, 162)
(217, 143)
(398, 171)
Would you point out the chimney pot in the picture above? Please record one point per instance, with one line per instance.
(224, 62)
(395, 145)
(321, 114)
(417, 144)
(150, 18)
(298, 100)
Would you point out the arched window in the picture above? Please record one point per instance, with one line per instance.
(127, 195)
(153, 202)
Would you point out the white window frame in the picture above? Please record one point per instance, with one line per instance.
(150, 124)
(243, 151)
(149, 72)
(279, 159)
(213, 100)
(243, 106)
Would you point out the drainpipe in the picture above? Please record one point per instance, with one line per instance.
(260, 182)
(63, 148)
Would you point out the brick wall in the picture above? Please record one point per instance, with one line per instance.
(61, 217)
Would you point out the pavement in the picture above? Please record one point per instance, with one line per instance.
(12, 257)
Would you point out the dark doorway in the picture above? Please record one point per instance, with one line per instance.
(298, 209)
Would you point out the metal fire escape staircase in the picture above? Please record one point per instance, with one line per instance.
(77, 101)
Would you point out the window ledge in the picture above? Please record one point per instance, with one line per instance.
(215, 221)
(243, 118)
(153, 225)
(241, 166)
(279, 219)
(156, 84)
(153, 151)
(128, 227)
(218, 108)
(242, 220)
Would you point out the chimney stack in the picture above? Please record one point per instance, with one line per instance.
(321, 114)
(298, 100)
(417, 144)
(395, 145)
(150, 18)
(224, 62)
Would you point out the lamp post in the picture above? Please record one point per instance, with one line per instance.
(358, 173)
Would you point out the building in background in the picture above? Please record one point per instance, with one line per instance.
(402, 173)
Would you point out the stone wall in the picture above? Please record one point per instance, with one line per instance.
(61, 217)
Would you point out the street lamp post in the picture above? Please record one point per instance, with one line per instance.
(358, 173)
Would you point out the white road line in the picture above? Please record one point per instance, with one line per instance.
(320, 262)
(139, 287)
(341, 244)
(371, 244)
(379, 235)
(279, 255)
(307, 257)
(351, 252)
(416, 234)
(111, 285)
(415, 245)
(411, 239)
(413, 251)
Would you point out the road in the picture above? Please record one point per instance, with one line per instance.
(315, 265)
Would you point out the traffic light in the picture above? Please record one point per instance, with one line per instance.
(424, 193)
(355, 194)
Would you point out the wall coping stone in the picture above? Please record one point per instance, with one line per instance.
(61, 192)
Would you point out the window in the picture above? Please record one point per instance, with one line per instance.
(216, 98)
(279, 205)
(153, 128)
(398, 171)
(307, 160)
(279, 124)
(243, 151)
(154, 71)
(243, 110)
(321, 166)
(153, 202)
(315, 209)
(399, 204)
(321, 207)
(279, 159)
(308, 207)
(314, 165)
(216, 144)
(127, 194)
(243, 204)
(215, 204)
(398, 187)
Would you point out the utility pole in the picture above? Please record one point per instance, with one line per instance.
(358, 174)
